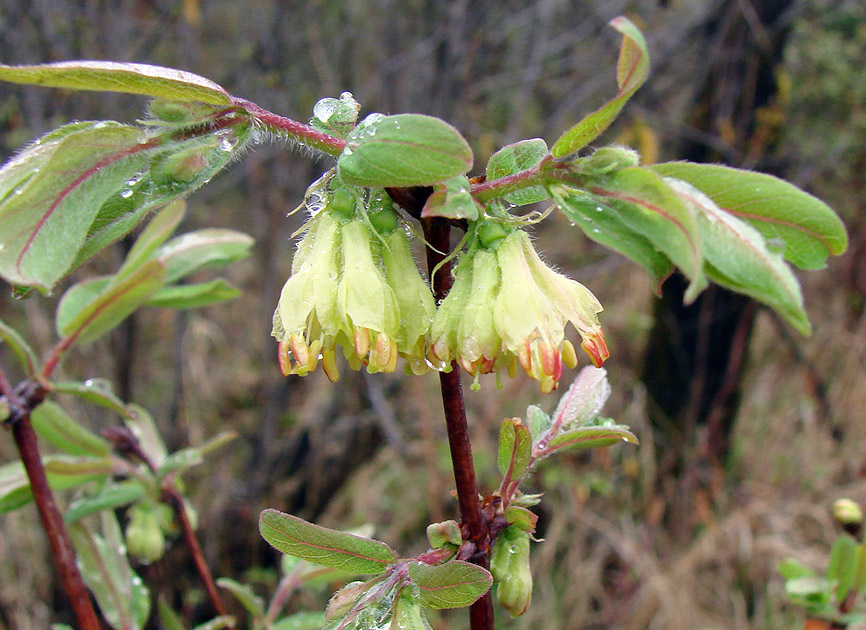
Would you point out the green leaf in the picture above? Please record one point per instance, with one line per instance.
(195, 295)
(194, 455)
(604, 225)
(647, 205)
(451, 199)
(92, 308)
(537, 420)
(738, 258)
(809, 229)
(217, 623)
(584, 399)
(515, 448)
(521, 518)
(63, 472)
(454, 584)
(514, 158)
(632, 70)
(95, 390)
(45, 219)
(155, 234)
(327, 547)
(791, 568)
(169, 619)
(143, 427)
(304, 620)
(110, 76)
(211, 248)
(591, 437)
(180, 163)
(20, 348)
(403, 150)
(109, 497)
(53, 424)
(842, 569)
(254, 604)
(123, 598)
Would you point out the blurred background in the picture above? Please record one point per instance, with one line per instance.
(748, 431)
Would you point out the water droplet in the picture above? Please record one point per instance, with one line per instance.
(596, 231)
(227, 144)
(599, 209)
(127, 193)
(134, 180)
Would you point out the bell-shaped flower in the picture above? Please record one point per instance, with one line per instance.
(307, 302)
(576, 303)
(367, 304)
(414, 300)
(507, 308)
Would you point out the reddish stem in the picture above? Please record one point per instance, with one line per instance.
(172, 497)
(437, 232)
(24, 398)
(300, 132)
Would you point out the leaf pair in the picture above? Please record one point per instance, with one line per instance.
(93, 307)
(733, 227)
(453, 584)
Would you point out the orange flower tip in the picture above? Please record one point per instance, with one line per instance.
(548, 358)
(283, 356)
(524, 355)
(487, 365)
(596, 348)
(300, 350)
(329, 365)
(569, 356)
(362, 342)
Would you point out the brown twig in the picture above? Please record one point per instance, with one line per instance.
(173, 498)
(22, 400)
(437, 233)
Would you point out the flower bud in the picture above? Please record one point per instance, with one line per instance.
(444, 533)
(509, 565)
(847, 512)
(144, 538)
(342, 601)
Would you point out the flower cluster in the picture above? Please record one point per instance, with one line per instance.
(353, 284)
(508, 308)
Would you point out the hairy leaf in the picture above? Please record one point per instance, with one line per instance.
(646, 204)
(808, 228)
(92, 308)
(110, 76)
(63, 472)
(95, 390)
(403, 150)
(604, 225)
(45, 218)
(453, 584)
(739, 259)
(584, 399)
(632, 70)
(53, 424)
(591, 437)
(195, 295)
(514, 158)
(212, 247)
(20, 348)
(327, 547)
(515, 448)
(123, 598)
(109, 497)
